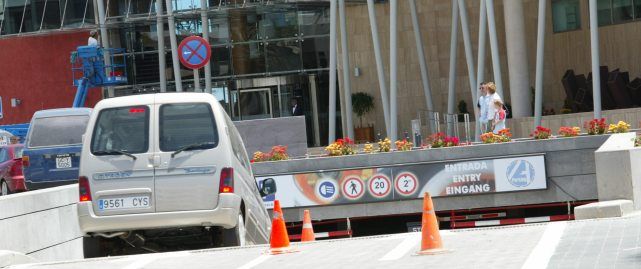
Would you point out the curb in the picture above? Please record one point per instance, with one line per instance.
(8, 258)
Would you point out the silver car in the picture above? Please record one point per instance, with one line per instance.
(167, 172)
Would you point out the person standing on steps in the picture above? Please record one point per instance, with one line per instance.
(498, 122)
(483, 106)
(490, 99)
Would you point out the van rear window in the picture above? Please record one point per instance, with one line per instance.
(57, 131)
(187, 124)
(121, 129)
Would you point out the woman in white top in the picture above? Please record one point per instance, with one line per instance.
(492, 96)
(482, 104)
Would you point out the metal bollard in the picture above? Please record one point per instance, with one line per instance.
(466, 120)
(437, 122)
(455, 125)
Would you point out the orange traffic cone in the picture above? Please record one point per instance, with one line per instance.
(279, 242)
(308, 230)
(430, 237)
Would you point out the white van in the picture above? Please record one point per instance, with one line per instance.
(165, 172)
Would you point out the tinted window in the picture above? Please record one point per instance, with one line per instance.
(57, 131)
(566, 15)
(186, 124)
(17, 152)
(123, 129)
(4, 156)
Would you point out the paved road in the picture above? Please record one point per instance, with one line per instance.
(606, 243)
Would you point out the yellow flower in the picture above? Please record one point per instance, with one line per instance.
(620, 127)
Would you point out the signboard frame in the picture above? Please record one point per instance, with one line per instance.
(451, 178)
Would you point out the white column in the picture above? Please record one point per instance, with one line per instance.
(540, 55)
(316, 125)
(451, 90)
(205, 24)
(347, 89)
(174, 46)
(380, 69)
(494, 47)
(480, 64)
(469, 56)
(520, 93)
(332, 72)
(421, 57)
(104, 37)
(393, 71)
(160, 33)
(596, 73)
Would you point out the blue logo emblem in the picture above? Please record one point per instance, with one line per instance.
(520, 173)
(327, 189)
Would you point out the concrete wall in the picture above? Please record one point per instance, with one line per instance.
(262, 135)
(42, 224)
(619, 46)
(570, 169)
(618, 172)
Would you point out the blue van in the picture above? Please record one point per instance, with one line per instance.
(52, 148)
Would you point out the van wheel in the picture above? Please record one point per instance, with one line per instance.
(91, 247)
(4, 188)
(236, 236)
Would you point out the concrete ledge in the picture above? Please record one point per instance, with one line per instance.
(8, 258)
(607, 209)
(43, 224)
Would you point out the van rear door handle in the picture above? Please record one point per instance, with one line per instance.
(155, 161)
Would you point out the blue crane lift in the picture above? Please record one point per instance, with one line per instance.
(89, 70)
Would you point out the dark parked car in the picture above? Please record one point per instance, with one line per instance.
(11, 178)
(52, 147)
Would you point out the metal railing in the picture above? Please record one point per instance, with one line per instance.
(432, 120)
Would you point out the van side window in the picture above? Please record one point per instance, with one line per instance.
(237, 144)
(122, 129)
(187, 124)
(57, 131)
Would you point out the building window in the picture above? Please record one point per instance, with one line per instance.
(565, 15)
(618, 11)
(19, 16)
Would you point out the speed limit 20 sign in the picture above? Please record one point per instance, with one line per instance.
(380, 185)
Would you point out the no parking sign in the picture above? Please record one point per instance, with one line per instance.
(194, 52)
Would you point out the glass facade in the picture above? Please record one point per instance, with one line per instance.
(618, 11)
(254, 40)
(263, 54)
(566, 13)
(20, 16)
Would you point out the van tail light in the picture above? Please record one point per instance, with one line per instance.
(25, 161)
(226, 180)
(83, 189)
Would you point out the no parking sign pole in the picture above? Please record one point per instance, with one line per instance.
(194, 52)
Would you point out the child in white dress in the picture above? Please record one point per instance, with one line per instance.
(499, 117)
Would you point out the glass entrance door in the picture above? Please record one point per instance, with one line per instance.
(252, 104)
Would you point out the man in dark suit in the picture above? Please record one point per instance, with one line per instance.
(296, 109)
